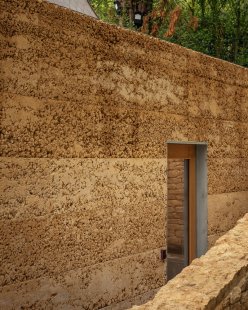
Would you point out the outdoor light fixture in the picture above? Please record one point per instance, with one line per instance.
(138, 19)
(117, 5)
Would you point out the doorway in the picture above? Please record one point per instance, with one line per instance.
(186, 205)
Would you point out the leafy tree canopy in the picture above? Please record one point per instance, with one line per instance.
(215, 27)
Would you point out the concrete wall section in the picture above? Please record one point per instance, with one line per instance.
(81, 6)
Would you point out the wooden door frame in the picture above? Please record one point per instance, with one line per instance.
(188, 151)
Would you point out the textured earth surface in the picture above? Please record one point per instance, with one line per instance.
(86, 111)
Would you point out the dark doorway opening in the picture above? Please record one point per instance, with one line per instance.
(186, 205)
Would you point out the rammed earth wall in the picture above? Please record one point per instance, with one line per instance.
(86, 110)
(217, 280)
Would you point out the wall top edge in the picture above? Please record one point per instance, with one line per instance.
(119, 33)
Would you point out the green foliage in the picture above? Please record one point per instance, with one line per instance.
(105, 10)
(215, 27)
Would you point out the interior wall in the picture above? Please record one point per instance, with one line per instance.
(86, 110)
(175, 205)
